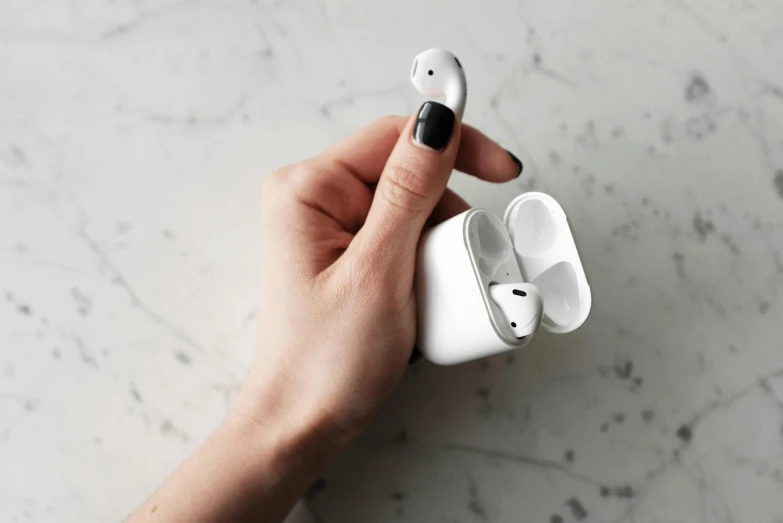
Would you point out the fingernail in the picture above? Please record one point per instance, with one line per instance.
(516, 161)
(434, 125)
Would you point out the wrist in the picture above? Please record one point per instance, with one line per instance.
(287, 438)
(252, 468)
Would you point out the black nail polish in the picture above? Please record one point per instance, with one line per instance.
(516, 161)
(434, 125)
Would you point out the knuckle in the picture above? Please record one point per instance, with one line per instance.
(300, 179)
(289, 181)
(272, 184)
(404, 186)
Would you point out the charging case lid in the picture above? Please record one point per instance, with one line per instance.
(548, 257)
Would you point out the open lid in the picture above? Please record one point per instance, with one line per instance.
(548, 257)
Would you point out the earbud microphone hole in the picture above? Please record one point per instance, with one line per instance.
(430, 72)
(513, 324)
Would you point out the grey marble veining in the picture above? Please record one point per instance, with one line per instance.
(134, 135)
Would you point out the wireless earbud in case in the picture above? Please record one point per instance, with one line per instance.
(462, 257)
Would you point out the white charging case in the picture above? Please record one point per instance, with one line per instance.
(458, 260)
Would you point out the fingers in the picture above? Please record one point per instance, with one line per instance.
(333, 186)
(324, 188)
(364, 153)
(333, 191)
(485, 159)
(411, 183)
(310, 215)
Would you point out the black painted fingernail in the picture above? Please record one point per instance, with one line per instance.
(434, 125)
(415, 355)
(516, 161)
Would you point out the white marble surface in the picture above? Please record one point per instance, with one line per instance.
(134, 134)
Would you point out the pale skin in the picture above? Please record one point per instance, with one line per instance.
(337, 318)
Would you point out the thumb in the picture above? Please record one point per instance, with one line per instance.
(412, 182)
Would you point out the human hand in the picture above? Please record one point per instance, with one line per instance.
(337, 320)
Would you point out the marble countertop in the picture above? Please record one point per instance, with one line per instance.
(134, 135)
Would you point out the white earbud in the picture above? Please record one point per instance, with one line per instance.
(521, 304)
(437, 72)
